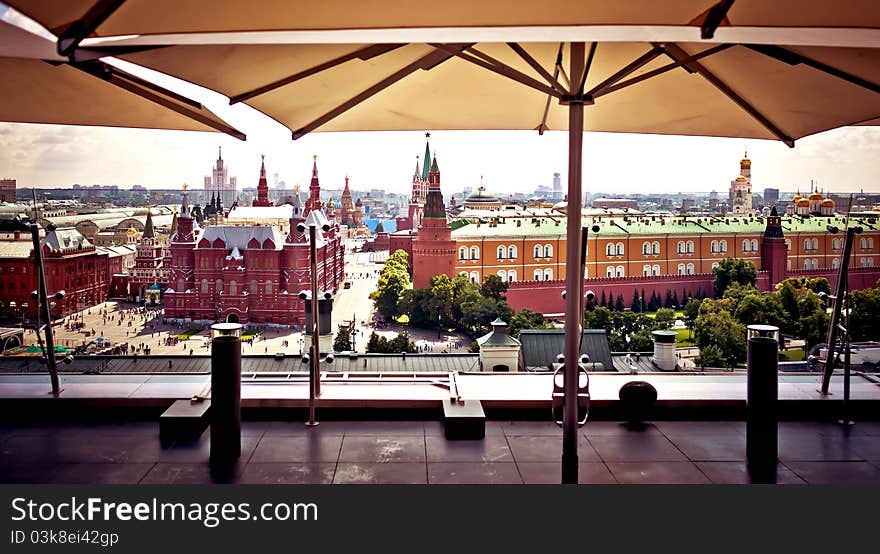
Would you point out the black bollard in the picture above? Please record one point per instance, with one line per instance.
(225, 398)
(761, 399)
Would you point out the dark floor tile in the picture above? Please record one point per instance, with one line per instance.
(191, 474)
(645, 447)
(667, 473)
(106, 473)
(806, 446)
(65, 448)
(493, 448)
(721, 447)
(690, 428)
(865, 446)
(438, 428)
(547, 449)
(605, 428)
(27, 474)
(534, 428)
(382, 449)
(475, 473)
(385, 428)
(310, 448)
(379, 473)
(836, 472)
(200, 451)
(299, 428)
(737, 473)
(287, 473)
(534, 473)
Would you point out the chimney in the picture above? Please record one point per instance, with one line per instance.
(664, 350)
(499, 352)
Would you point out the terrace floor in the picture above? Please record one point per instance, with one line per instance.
(417, 452)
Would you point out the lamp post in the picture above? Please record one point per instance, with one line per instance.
(41, 296)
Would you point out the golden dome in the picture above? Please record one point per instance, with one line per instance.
(803, 202)
(828, 203)
(815, 196)
(742, 179)
(796, 198)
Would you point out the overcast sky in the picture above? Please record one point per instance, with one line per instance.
(842, 160)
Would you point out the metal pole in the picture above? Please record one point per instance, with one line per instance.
(762, 393)
(43, 301)
(838, 303)
(314, 375)
(225, 399)
(573, 282)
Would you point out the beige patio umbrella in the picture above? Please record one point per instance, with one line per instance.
(680, 67)
(39, 86)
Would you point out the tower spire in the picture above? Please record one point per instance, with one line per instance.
(426, 165)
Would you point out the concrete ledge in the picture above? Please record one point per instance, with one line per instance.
(464, 420)
(185, 420)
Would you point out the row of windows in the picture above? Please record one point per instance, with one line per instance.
(233, 286)
(505, 252)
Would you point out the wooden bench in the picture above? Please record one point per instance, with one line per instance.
(464, 419)
(185, 420)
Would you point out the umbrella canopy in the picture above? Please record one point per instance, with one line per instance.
(39, 86)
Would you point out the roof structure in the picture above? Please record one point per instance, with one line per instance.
(252, 213)
(540, 347)
(239, 237)
(65, 240)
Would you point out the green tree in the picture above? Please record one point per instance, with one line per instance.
(721, 329)
(765, 309)
(600, 318)
(636, 305)
(479, 312)
(393, 280)
(733, 270)
(401, 343)
(526, 319)
(493, 287)
(691, 311)
(711, 356)
(864, 319)
(342, 342)
(618, 304)
(664, 318)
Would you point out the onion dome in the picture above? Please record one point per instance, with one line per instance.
(828, 203)
(803, 202)
(815, 196)
(742, 179)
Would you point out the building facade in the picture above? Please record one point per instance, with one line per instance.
(251, 273)
(7, 190)
(150, 274)
(219, 183)
(740, 195)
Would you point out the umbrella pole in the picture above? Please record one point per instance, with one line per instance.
(573, 285)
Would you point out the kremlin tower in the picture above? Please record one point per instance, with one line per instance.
(262, 198)
(433, 248)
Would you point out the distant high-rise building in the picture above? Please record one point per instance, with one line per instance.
(771, 196)
(219, 182)
(557, 188)
(7, 190)
(741, 188)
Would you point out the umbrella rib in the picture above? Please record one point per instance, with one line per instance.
(677, 52)
(793, 58)
(500, 69)
(366, 53)
(717, 14)
(586, 73)
(70, 38)
(551, 79)
(625, 71)
(425, 62)
(145, 90)
(661, 70)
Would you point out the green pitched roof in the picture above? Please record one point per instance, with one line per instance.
(426, 165)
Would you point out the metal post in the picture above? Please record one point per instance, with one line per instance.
(762, 394)
(226, 395)
(314, 371)
(851, 232)
(573, 281)
(43, 307)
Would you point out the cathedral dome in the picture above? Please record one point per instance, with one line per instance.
(796, 198)
(482, 196)
(358, 203)
(803, 202)
(742, 179)
(828, 203)
(815, 196)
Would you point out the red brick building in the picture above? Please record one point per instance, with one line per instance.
(251, 273)
(72, 264)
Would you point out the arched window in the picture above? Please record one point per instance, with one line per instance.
(609, 249)
(714, 246)
(788, 265)
(501, 252)
(835, 244)
(690, 247)
(835, 263)
(218, 286)
(548, 274)
(204, 286)
(475, 277)
(609, 271)
(681, 269)
(511, 252)
(863, 243)
(233, 288)
(646, 248)
(620, 272)
(620, 249)
(715, 264)
(746, 245)
(815, 244)
(646, 270)
(537, 251)
(180, 285)
(268, 287)
(754, 245)
(538, 274)
(511, 276)
(815, 264)
(680, 247)
(723, 245)
(475, 253)
(254, 286)
(655, 247)
(870, 262)
(655, 269)
(548, 251)
(462, 253)
(870, 243)
(502, 275)
(690, 269)
(806, 264)
(807, 244)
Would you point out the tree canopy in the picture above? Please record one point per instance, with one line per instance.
(733, 270)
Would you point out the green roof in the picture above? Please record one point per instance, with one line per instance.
(644, 225)
(541, 346)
